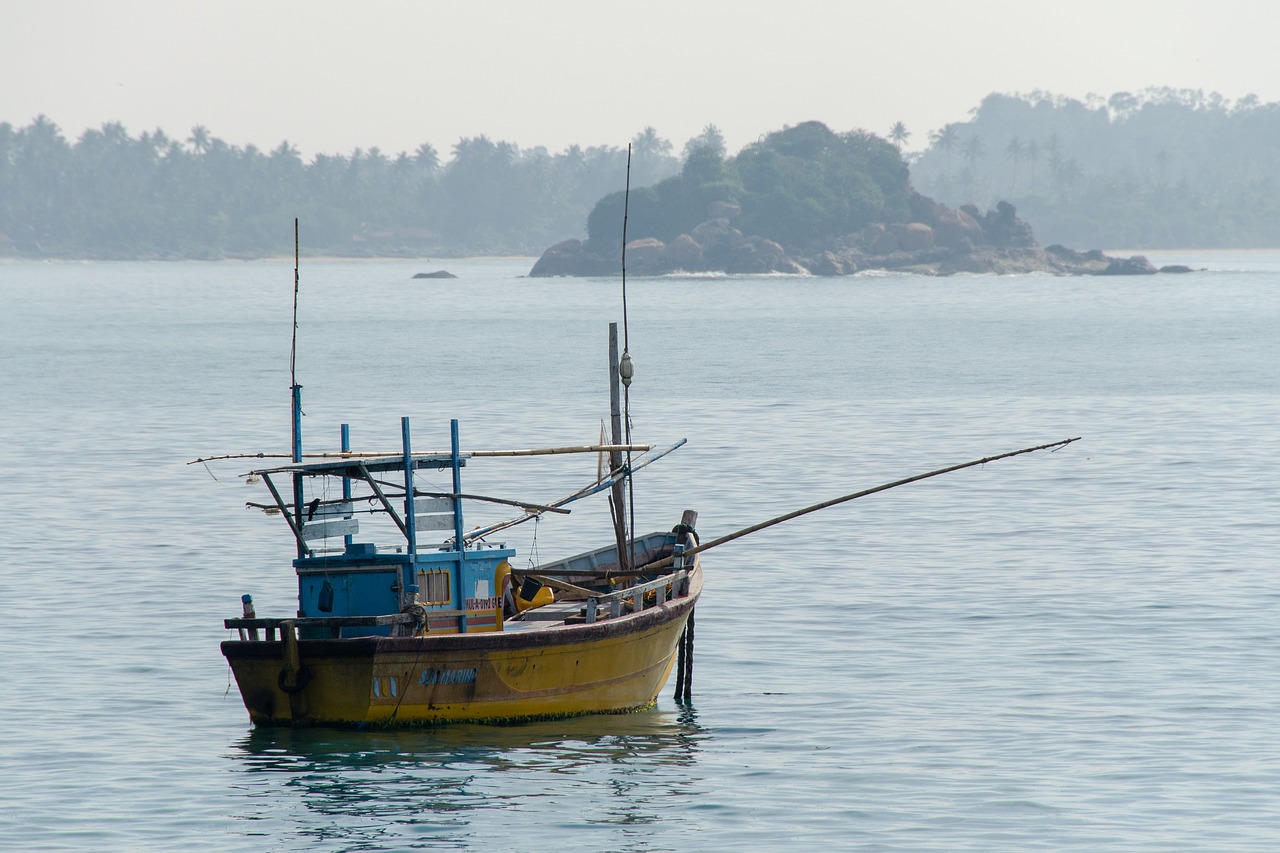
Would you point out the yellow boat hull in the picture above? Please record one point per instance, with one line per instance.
(611, 666)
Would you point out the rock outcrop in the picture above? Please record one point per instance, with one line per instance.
(570, 257)
(937, 241)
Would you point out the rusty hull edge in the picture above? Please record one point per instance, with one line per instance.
(480, 641)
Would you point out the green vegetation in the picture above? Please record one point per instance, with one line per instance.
(1160, 169)
(113, 195)
(1164, 168)
(800, 187)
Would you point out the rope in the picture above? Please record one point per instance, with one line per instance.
(684, 664)
(420, 615)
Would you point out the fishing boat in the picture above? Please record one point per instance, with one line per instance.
(435, 625)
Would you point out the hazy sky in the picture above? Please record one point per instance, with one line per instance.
(332, 76)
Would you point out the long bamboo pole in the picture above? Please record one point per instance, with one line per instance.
(339, 455)
(594, 488)
(738, 534)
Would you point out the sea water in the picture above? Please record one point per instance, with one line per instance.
(1077, 650)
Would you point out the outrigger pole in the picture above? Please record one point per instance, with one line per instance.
(738, 534)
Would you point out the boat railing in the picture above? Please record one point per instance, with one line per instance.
(675, 585)
(248, 628)
(611, 605)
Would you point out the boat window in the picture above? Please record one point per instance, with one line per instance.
(433, 586)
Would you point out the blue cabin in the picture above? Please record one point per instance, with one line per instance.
(433, 573)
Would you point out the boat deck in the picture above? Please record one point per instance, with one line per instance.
(577, 610)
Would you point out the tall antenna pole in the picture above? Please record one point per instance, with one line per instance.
(626, 204)
(625, 368)
(621, 369)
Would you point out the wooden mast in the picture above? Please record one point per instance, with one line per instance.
(295, 391)
(617, 497)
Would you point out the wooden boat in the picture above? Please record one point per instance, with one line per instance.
(436, 625)
(424, 633)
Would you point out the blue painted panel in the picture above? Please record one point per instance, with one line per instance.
(360, 583)
(478, 589)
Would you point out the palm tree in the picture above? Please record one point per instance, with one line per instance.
(426, 158)
(651, 155)
(898, 134)
(1031, 153)
(973, 150)
(647, 143)
(710, 138)
(199, 139)
(1014, 151)
(946, 139)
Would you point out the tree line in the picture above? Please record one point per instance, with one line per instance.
(111, 194)
(1161, 168)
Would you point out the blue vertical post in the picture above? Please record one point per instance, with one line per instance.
(297, 457)
(346, 481)
(410, 519)
(457, 520)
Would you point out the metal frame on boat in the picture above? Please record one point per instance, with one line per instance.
(429, 632)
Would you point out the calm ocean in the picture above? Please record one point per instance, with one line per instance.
(1076, 650)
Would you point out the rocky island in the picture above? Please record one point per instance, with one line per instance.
(811, 202)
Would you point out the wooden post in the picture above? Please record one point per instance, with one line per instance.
(459, 543)
(346, 481)
(615, 457)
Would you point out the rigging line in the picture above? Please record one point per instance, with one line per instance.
(533, 546)
(408, 676)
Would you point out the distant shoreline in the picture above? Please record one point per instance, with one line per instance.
(432, 259)
(530, 259)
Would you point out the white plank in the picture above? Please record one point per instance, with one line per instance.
(327, 511)
(330, 529)
(434, 522)
(428, 506)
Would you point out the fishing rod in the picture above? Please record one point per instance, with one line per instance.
(738, 534)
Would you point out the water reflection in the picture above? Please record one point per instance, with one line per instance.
(454, 786)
